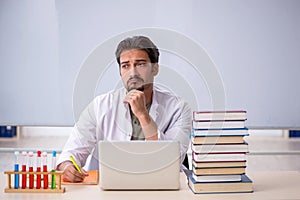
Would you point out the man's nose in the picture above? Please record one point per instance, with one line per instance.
(133, 70)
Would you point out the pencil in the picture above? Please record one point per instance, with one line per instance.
(75, 164)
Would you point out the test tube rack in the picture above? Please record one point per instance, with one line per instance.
(11, 189)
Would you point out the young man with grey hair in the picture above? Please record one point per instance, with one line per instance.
(138, 111)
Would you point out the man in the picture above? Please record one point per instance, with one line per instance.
(140, 111)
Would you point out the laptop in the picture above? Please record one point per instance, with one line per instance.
(139, 165)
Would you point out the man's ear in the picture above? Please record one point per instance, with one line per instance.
(119, 70)
(155, 69)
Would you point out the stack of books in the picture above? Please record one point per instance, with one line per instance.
(219, 153)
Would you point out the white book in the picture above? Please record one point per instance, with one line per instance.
(217, 178)
(218, 157)
(220, 115)
(220, 132)
(218, 124)
(220, 148)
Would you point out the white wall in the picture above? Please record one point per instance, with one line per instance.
(253, 44)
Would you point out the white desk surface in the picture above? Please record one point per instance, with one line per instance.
(267, 185)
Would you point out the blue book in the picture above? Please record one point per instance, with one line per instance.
(243, 186)
(294, 133)
(8, 131)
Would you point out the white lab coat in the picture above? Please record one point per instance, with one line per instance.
(108, 118)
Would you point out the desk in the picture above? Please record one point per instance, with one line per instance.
(267, 185)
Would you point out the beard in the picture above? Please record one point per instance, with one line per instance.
(138, 85)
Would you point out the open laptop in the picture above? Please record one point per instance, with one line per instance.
(139, 165)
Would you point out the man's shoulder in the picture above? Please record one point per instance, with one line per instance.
(165, 97)
(112, 94)
(170, 102)
(163, 93)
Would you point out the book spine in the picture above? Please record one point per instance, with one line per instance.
(206, 124)
(219, 157)
(215, 160)
(220, 148)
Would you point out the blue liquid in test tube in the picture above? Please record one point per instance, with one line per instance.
(16, 169)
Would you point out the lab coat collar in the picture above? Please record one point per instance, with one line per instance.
(154, 105)
(123, 118)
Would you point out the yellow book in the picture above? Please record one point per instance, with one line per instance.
(219, 170)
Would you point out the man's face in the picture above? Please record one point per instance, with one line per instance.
(136, 69)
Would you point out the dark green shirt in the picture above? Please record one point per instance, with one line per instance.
(137, 132)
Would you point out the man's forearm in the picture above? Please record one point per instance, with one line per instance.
(149, 127)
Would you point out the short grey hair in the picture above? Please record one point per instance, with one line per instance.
(138, 42)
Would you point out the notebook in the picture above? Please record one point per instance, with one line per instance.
(91, 179)
(139, 165)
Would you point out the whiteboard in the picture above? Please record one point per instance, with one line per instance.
(215, 54)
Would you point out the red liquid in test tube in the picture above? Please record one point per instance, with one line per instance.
(30, 165)
(44, 163)
(24, 176)
(38, 169)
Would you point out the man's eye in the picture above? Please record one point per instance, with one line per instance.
(141, 64)
(124, 66)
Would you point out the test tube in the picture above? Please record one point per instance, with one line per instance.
(16, 168)
(38, 169)
(44, 163)
(53, 180)
(30, 166)
(24, 162)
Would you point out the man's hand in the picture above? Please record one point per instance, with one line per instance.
(137, 102)
(70, 173)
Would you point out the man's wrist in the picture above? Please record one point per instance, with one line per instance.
(152, 137)
(62, 166)
(144, 119)
(150, 130)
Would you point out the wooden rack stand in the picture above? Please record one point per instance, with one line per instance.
(11, 189)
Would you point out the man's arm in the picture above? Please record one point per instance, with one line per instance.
(180, 120)
(180, 125)
(80, 144)
(137, 102)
